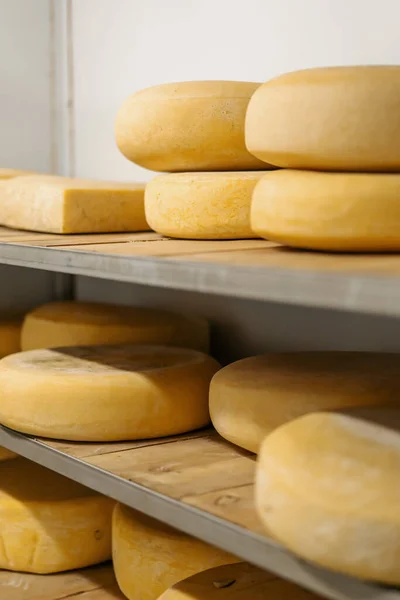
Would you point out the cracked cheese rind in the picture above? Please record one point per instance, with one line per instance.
(106, 393)
(149, 556)
(66, 205)
(187, 126)
(328, 211)
(328, 487)
(89, 323)
(240, 581)
(250, 398)
(202, 205)
(49, 523)
(329, 119)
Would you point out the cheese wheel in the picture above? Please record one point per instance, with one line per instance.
(149, 556)
(328, 211)
(188, 126)
(10, 336)
(91, 583)
(106, 393)
(252, 397)
(49, 523)
(87, 323)
(66, 205)
(10, 342)
(328, 487)
(239, 581)
(202, 206)
(6, 454)
(339, 119)
(6, 173)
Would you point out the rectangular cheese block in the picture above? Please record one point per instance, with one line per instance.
(68, 205)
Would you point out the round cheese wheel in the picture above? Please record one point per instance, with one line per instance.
(84, 323)
(10, 336)
(340, 119)
(328, 211)
(149, 556)
(188, 126)
(239, 581)
(327, 486)
(106, 393)
(202, 205)
(6, 454)
(49, 523)
(252, 397)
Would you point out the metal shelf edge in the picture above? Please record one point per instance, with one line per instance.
(245, 544)
(374, 294)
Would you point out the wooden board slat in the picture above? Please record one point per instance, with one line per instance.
(94, 583)
(201, 469)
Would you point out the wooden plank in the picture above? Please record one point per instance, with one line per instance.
(179, 248)
(94, 583)
(235, 504)
(183, 467)
(86, 450)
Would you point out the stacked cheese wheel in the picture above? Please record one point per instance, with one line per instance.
(94, 372)
(336, 133)
(194, 130)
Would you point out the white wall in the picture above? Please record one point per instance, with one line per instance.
(25, 84)
(121, 46)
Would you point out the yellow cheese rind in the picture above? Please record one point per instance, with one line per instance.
(106, 393)
(328, 211)
(327, 487)
(88, 323)
(6, 454)
(49, 523)
(149, 556)
(332, 119)
(6, 173)
(67, 205)
(239, 581)
(252, 397)
(188, 126)
(10, 336)
(202, 205)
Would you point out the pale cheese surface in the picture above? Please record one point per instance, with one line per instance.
(202, 205)
(187, 126)
(327, 486)
(106, 393)
(149, 556)
(49, 523)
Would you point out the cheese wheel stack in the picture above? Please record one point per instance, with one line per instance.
(195, 131)
(150, 556)
(328, 487)
(55, 204)
(336, 133)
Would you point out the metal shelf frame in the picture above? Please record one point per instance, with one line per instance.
(362, 292)
(249, 546)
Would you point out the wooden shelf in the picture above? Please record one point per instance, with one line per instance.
(94, 583)
(253, 269)
(198, 483)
